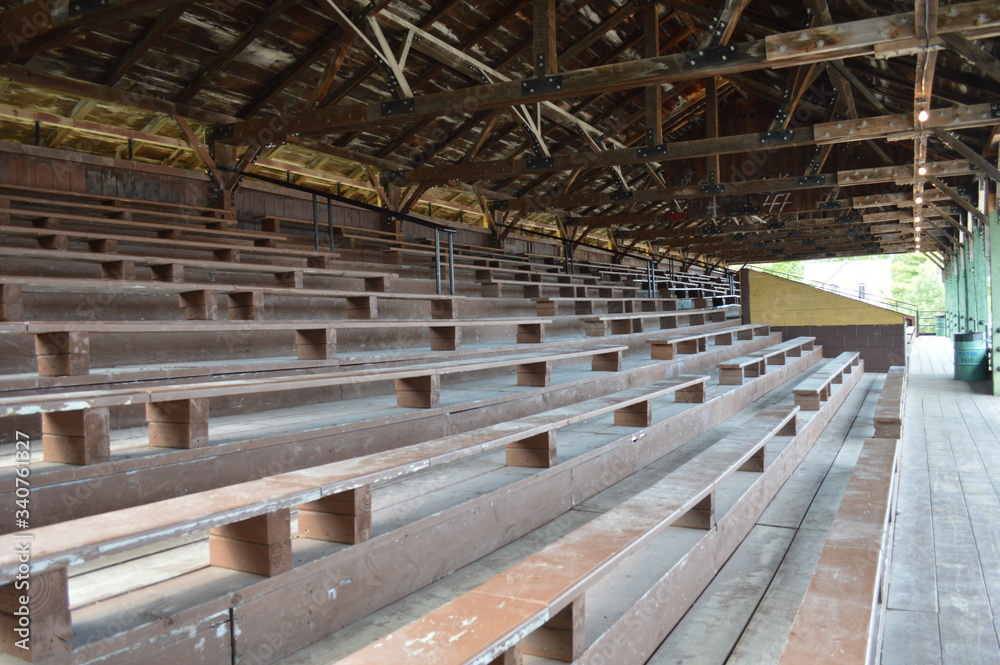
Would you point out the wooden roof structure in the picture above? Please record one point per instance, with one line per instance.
(725, 130)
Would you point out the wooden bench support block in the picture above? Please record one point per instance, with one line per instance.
(490, 290)
(179, 423)
(265, 242)
(548, 308)
(582, 307)
(76, 437)
(776, 358)
(692, 346)
(199, 305)
(532, 291)
(809, 401)
(11, 303)
(724, 339)
(717, 316)
(245, 305)
(691, 395)
(228, 255)
(103, 246)
(668, 322)
(56, 242)
(756, 461)
(536, 375)
(626, 326)
(170, 234)
(530, 333)
(377, 284)
(392, 256)
(322, 261)
(731, 376)
(362, 307)
(41, 628)
(316, 343)
(345, 517)
(419, 392)
(45, 222)
(595, 327)
(270, 225)
(702, 516)
(791, 428)
(537, 451)
(124, 270)
(696, 319)
(63, 353)
(639, 414)
(662, 350)
(607, 362)
(567, 292)
(443, 309)
(168, 272)
(260, 545)
(563, 637)
(445, 338)
(508, 657)
(744, 335)
(291, 279)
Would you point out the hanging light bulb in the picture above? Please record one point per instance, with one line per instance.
(923, 116)
(918, 200)
(917, 219)
(922, 170)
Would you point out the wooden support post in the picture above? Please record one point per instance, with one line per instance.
(260, 545)
(535, 451)
(228, 255)
(639, 414)
(292, 279)
(345, 517)
(702, 516)
(316, 343)
(63, 353)
(691, 395)
(103, 246)
(123, 270)
(445, 338)
(530, 333)
(607, 362)
(756, 461)
(76, 437)
(443, 309)
(36, 616)
(181, 423)
(362, 307)
(168, 272)
(199, 305)
(245, 305)
(537, 375)
(11, 302)
(56, 242)
(419, 392)
(377, 284)
(562, 637)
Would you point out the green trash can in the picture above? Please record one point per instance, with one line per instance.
(970, 357)
(940, 326)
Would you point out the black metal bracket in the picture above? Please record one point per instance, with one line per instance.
(812, 180)
(831, 205)
(713, 189)
(392, 177)
(622, 196)
(712, 56)
(498, 205)
(397, 107)
(750, 210)
(995, 110)
(536, 163)
(541, 85)
(780, 136)
(652, 151)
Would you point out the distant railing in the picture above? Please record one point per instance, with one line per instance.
(927, 322)
(905, 308)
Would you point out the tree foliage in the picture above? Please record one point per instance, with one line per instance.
(917, 280)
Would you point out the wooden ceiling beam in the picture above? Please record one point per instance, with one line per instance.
(858, 38)
(974, 53)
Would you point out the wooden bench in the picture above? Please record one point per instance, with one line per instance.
(112, 204)
(670, 347)
(625, 324)
(889, 407)
(169, 269)
(735, 371)
(494, 289)
(838, 619)
(199, 301)
(812, 392)
(249, 523)
(581, 306)
(63, 348)
(75, 425)
(537, 606)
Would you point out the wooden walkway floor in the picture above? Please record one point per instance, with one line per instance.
(944, 586)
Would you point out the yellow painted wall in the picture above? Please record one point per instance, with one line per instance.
(782, 302)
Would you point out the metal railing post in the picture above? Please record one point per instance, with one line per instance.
(451, 263)
(437, 259)
(329, 222)
(315, 224)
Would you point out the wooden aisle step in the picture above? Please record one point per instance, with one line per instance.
(537, 606)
